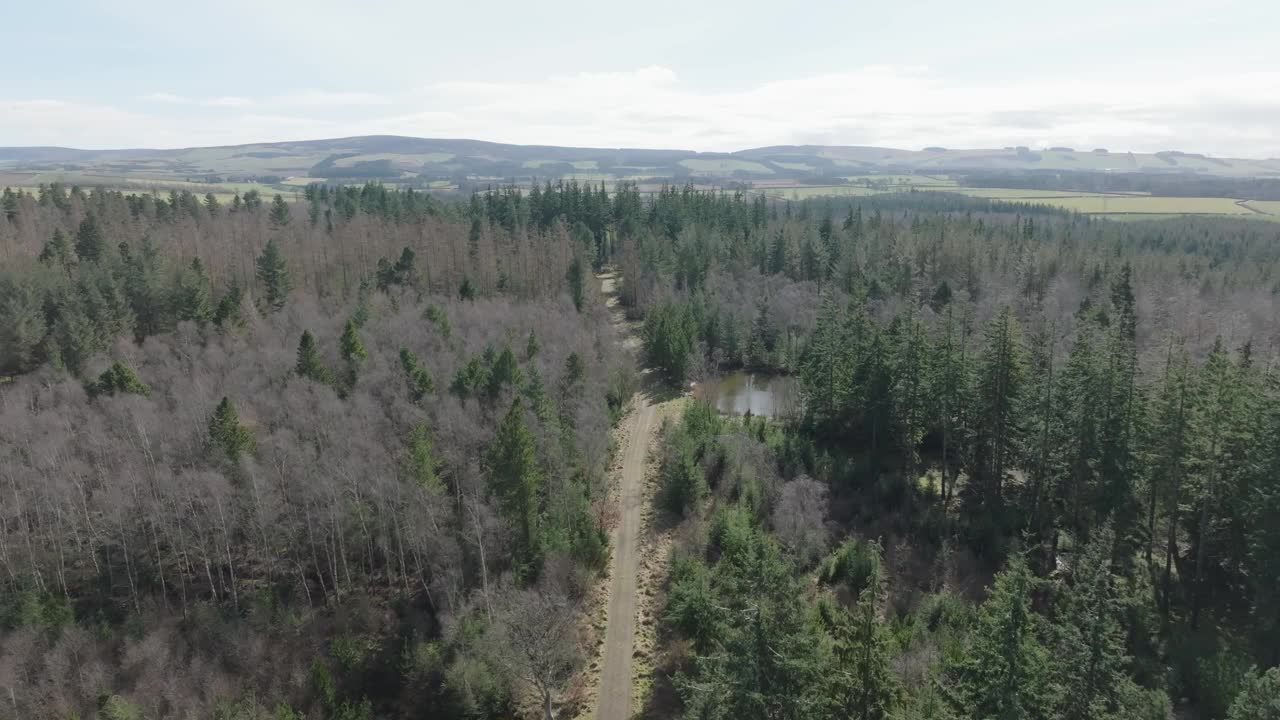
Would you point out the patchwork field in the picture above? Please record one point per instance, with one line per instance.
(1112, 205)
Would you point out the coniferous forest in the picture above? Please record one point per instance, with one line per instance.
(348, 456)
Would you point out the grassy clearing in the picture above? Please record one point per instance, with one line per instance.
(725, 165)
(1102, 204)
(396, 158)
(1270, 207)
(794, 165)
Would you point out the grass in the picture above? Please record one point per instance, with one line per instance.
(725, 165)
(1270, 207)
(1102, 204)
(396, 158)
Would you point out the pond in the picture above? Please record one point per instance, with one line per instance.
(756, 393)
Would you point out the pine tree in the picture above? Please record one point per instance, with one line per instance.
(531, 346)
(353, 351)
(910, 351)
(192, 297)
(999, 391)
(89, 242)
(419, 379)
(576, 279)
(1005, 674)
(273, 273)
(309, 365)
(1089, 648)
(57, 251)
(230, 311)
(279, 215)
(118, 379)
(421, 460)
(516, 480)
(863, 684)
(226, 434)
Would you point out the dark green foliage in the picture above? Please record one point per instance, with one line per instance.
(1005, 673)
(670, 337)
(57, 251)
(691, 604)
(418, 377)
(226, 434)
(531, 346)
(515, 479)
(855, 564)
(577, 283)
(89, 242)
(279, 214)
(862, 681)
(309, 364)
(273, 273)
(1259, 697)
(1089, 650)
(420, 463)
(118, 379)
(353, 351)
(229, 313)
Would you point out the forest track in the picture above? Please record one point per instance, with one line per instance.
(614, 698)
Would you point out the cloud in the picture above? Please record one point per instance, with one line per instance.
(1192, 108)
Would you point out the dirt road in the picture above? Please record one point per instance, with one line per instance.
(616, 677)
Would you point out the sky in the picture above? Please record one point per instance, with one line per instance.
(707, 75)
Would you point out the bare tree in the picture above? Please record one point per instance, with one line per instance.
(535, 639)
(799, 518)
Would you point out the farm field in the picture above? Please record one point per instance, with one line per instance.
(725, 165)
(1112, 205)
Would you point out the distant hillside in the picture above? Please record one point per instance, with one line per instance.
(423, 161)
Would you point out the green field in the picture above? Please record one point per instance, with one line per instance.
(1114, 205)
(725, 165)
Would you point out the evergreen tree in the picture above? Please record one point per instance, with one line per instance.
(279, 215)
(57, 251)
(1259, 697)
(273, 273)
(1090, 641)
(419, 378)
(863, 684)
(353, 351)
(421, 463)
(192, 296)
(230, 311)
(531, 346)
(226, 434)
(577, 282)
(516, 480)
(118, 379)
(89, 242)
(309, 365)
(1005, 673)
(998, 393)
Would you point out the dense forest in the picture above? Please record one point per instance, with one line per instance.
(347, 457)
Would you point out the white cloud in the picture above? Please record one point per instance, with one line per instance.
(1200, 109)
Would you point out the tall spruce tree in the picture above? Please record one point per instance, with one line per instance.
(226, 434)
(1006, 673)
(273, 273)
(515, 479)
(1089, 647)
(999, 388)
(309, 364)
(89, 242)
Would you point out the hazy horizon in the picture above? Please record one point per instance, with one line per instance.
(716, 77)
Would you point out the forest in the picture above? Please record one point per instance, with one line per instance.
(349, 457)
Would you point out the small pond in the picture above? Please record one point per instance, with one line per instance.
(756, 393)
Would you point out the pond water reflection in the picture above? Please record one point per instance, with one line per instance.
(756, 393)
